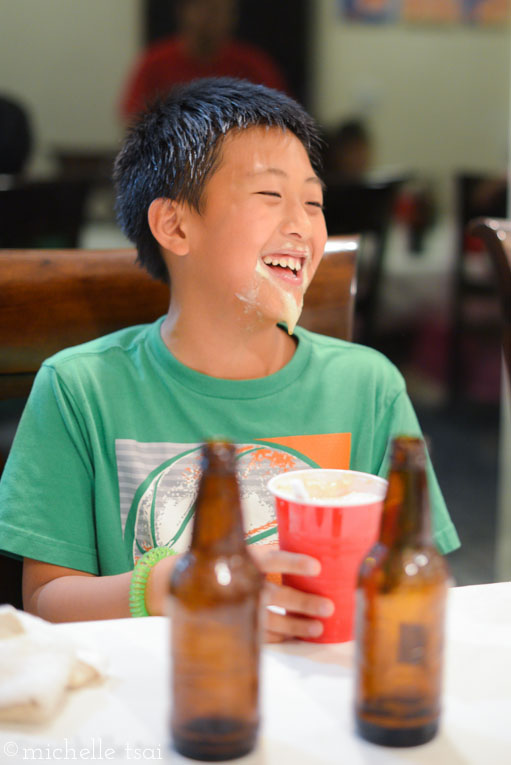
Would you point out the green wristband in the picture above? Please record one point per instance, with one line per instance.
(140, 576)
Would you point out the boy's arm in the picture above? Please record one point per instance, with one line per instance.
(60, 594)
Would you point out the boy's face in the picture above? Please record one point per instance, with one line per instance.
(261, 235)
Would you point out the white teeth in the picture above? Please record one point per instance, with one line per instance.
(284, 262)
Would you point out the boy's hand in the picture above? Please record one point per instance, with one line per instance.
(302, 607)
(157, 587)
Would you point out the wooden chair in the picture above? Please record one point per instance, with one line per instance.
(496, 235)
(329, 303)
(365, 209)
(52, 299)
(46, 213)
(474, 290)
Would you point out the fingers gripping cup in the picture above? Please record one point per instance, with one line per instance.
(334, 516)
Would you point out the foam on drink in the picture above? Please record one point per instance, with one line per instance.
(317, 487)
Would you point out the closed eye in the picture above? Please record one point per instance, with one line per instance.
(276, 194)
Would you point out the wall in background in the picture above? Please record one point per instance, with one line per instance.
(437, 98)
(67, 60)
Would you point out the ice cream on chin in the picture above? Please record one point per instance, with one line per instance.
(291, 296)
(291, 305)
(283, 275)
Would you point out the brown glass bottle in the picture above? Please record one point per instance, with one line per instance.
(215, 594)
(401, 596)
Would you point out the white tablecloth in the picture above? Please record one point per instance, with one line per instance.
(306, 698)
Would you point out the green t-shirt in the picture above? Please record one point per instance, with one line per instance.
(105, 461)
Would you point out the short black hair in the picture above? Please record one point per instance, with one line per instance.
(173, 147)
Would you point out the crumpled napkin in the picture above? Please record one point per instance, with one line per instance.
(38, 665)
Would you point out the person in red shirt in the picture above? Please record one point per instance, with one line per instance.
(203, 47)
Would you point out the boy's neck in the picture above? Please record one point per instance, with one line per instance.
(228, 352)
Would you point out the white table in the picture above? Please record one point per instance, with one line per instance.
(307, 698)
(503, 536)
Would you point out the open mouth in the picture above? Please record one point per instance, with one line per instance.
(288, 267)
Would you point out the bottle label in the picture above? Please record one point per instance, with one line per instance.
(412, 644)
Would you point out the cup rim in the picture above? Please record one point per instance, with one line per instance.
(327, 501)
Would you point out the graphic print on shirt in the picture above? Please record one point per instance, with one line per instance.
(158, 485)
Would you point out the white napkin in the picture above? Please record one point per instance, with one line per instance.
(38, 665)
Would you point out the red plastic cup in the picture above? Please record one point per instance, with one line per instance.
(336, 529)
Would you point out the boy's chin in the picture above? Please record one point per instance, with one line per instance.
(290, 315)
(263, 306)
(287, 318)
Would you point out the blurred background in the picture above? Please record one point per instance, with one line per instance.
(415, 106)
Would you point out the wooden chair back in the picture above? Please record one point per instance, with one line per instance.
(52, 299)
(329, 303)
(476, 196)
(496, 235)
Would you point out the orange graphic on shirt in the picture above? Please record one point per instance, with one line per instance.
(327, 450)
(162, 508)
(271, 459)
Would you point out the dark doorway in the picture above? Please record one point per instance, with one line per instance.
(280, 27)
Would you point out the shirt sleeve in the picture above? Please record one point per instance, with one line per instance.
(47, 488)
(400, 419)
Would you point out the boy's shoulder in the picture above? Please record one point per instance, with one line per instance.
(362, 376)
(122, 343)
(345, 351)
(356, 367)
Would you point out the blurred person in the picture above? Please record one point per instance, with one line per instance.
(15, 136)
(349, 154)
(349, 159)
(203, 47)
(489, 196)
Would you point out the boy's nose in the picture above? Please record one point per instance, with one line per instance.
(296, 221)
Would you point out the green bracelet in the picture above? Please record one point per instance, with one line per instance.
(140, 576)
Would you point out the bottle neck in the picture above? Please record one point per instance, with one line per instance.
(406, 516)
(218, 524)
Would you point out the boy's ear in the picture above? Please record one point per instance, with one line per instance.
(165, 221)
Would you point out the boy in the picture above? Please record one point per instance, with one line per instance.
(219, 188)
